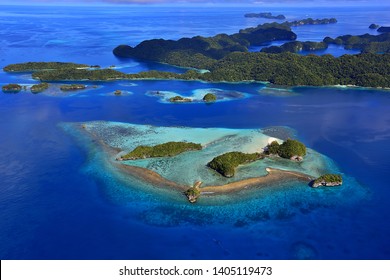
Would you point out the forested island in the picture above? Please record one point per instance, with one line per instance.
(11, 88)
(289, 69)
(296, 47)
(179, 99)
(226, 164)
(72, 87)
(384, 29)
(264, 15)
(209, 97)
(365, 43)
(39, 66)
(202, 52)
(39, 87)
(290, 149)
(168, 149)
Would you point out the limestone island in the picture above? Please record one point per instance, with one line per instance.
(290, 149)
(72, 87)
(264, 15)
(39, 87)
(366, 43)
(40, 66)
(204, 162)
(179, 99)
(11, 88)
(296, 46)
(226, 164)
(168, 149)
(210, 97)
(384, 29)
(374, 26)
(328, 180)
(310, 21)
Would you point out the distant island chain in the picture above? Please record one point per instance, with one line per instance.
(226, 58)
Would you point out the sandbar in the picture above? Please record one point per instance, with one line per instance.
(273, 176)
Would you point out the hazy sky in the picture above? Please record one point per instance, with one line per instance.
(201, 2)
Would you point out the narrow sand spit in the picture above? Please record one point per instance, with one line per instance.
(273, 176)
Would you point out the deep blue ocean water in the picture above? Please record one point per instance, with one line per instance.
(59, 201)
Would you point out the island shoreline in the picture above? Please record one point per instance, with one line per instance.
(151, 177)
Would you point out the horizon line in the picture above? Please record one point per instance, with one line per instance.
(269, 5)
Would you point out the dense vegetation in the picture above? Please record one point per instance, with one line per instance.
(72, 74)
(38, 66)
(210, 97)
(287, 149)
(366, 70)
(226, 164)
(310, 21)
(202, 52)
(273, 148)
(168, 149)
(39, 87)
(328, 180)
(296, 46)
(365, 43)
(12, 88)
(228, 59)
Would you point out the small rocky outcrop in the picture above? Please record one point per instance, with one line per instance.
(328, 180)
(193, 193)
(296, 158)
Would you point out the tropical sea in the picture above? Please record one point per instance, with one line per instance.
(60, 199)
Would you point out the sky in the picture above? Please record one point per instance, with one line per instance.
(199, 2)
